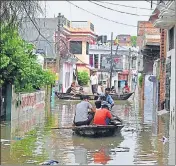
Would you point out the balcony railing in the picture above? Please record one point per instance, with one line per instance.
(82, 25)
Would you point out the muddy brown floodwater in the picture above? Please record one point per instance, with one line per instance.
(138, 143)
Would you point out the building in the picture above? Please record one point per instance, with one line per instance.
(99, 59)
(167, 20)
(124, 40)
(148, 41)
(76, 35)
(71, 44)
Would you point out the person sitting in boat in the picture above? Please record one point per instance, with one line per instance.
(103, 116)
(82, 115)
(98, 105)
(126, 88)
(81, 90)
(72, 88)
(107, 97)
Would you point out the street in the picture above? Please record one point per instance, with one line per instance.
(138, 142)
(87, 82)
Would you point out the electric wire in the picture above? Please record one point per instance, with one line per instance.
(115, 4)
(134, 26)
(159, 4)
(133, 14)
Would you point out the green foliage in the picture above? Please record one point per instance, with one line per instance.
(83, 78)
(18, 64)
(133, 40)
(140, 80)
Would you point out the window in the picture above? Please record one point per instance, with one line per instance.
(76, 47)
(91, 60)
(171, 38)
(87, 48)
(96, 61)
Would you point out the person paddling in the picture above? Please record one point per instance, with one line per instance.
(107, 97)
(72, 88)
(126, 88)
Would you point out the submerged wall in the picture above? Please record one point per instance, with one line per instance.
(27, 111)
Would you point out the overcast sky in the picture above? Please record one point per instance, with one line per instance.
(102, 27)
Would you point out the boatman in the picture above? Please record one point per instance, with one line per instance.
(82, 115)
(72, 88)
(126, 88)
(107, 97)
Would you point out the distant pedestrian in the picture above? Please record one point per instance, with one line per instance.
(94, 82)
(100, 89)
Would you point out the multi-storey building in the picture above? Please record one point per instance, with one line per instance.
(123, 62)
(167, 20)
(69, 46)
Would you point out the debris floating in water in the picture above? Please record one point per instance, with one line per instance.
(164, 139)
(5, 141)
(50, 162)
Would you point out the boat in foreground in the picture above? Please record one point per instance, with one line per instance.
(97, 130)
(65, 96)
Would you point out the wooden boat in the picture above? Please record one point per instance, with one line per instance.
(124, 96)
(69, 96)
(97, 130)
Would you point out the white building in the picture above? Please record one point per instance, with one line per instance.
(100, 59)
(167, 20)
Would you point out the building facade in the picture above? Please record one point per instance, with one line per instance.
(64, 50)
(167, 20)
(124, 40)
(123, 61)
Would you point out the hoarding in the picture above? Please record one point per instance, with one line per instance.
(117, 62)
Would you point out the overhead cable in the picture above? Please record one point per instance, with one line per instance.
(133, 14)
(115, 4)
(135, 26)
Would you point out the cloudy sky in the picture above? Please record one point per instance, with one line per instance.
(102, 26)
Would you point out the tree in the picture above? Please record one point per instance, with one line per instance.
(18, 64)
(83, 78)
(14, 12)
(133, 40)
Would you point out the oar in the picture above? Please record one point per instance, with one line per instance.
(117, 118)
(67, 127)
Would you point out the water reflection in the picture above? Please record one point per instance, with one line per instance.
(97, 150)
(142, 145)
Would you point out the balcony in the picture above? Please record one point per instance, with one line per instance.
(166, 16)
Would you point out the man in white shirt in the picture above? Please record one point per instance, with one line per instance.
(94, 82)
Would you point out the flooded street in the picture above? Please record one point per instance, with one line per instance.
(138, 143)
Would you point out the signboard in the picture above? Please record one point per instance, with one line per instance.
(152, 78)
(117, 62)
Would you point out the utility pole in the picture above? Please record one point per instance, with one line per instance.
(129, 66)
(111, 68)
(58, 57)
